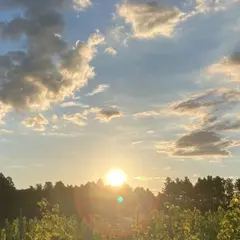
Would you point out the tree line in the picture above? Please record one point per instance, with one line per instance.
(92, 198)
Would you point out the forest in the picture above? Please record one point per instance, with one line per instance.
(207, 209)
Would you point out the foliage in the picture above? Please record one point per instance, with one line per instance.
(172, 223)
(206, 210)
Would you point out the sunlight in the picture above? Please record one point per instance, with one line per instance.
(116, 177)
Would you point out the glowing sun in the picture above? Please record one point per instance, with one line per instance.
(116, 177)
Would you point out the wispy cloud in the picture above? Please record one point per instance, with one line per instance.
(82, 4)
(204, 6)
(37, 123)
(137, 142)
(5, 131)
(143, 178)
(77, 118)
(150, 113)
(61, 134)
(228, 67)
(119, 35)
(150, 131)
(73, 104)
(15, 167)
(111, 51)
(99, 89)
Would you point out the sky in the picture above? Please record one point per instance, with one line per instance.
(150, 87)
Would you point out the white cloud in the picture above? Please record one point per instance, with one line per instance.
(100, 88)
(4, 109)
(150, 19)
(111, 51)
(204, 6)
(5, 131)
(150, 113)
(77, 118)
(137, 142)
(73, 104)
(119, 34)
(81, 4)
(37, 123)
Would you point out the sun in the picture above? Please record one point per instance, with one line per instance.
(116, 177)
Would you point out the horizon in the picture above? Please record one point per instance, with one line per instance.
(124, 183)
(148, 87)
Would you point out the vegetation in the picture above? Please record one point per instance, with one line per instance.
(207, 210)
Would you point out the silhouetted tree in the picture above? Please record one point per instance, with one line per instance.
(237, 186)
(110, 202)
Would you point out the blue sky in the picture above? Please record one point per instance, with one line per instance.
(148, 87)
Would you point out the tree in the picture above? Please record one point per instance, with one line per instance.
(229, 190)
(209, 193)
(7, 198)
(237, 186)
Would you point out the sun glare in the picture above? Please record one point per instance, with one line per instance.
(116, 177)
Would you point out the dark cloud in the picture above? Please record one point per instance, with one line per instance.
(197, 139)
(202, 105)
(205, 138)
(235, 58)
(48, 69)
(198, 144)
(106, 115)
(225, 125)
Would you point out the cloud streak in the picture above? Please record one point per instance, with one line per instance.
(99, 89)
(73, 104)
(111, 51)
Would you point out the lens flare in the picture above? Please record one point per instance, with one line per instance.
(120, 199)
